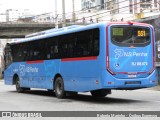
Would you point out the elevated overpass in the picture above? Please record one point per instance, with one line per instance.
(19, 30)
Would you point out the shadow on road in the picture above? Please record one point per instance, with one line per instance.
(103, 100)
(37, 92)
(82, 98)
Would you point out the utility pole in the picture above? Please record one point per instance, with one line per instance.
(56, 15)
(8, 15)
(63, 12)
(73, 14)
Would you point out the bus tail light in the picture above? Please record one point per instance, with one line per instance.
(151, 71)
(154, 61)
(107, 52)
(110, 71)
(153, 50)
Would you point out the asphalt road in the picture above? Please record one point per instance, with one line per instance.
(42, 100)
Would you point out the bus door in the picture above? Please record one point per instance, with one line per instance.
(7, 63)
(130, 51)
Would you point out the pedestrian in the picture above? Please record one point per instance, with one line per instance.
(121, 19)
(97, 20)
(83, 20)
(91, 20)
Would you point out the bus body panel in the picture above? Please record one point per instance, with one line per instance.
(135, 58)
(8, 76)
(131, 60)
(111, 82)
(34, 74)
(84, 78)
(83, 74)
(129, 66)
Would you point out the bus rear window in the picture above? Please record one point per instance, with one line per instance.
(124, 35)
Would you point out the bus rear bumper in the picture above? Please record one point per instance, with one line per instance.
(111, 82)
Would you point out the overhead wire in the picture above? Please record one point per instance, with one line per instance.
(111, 10)
(95, 8)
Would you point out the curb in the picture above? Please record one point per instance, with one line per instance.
(157, 88)
(1, 80)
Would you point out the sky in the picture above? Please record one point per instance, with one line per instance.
(38, 6)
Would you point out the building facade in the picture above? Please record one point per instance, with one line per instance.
(116, 10)
(44, 18)
(87, 4)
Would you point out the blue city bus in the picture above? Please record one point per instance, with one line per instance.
(94, 58)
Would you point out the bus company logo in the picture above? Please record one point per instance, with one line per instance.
(22, 70)
(121, 53)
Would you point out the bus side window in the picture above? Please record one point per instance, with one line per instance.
(52, 49)
(79, 51)
(70, 49)
(47, 49)
(56, 49)
(67, 44)
(25, 55)
(7, 56)
(38, 50)
(18, 53)
(83, 44)
(96, 42)
(64, 49)
(96, 47)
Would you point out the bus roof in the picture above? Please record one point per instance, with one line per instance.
(53, 30)
(65, 30)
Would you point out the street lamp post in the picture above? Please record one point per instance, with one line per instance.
(63, 12)
(7, 14)
(73, 15)
(56, 15)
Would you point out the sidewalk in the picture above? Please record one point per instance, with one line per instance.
(157, 88)
(1, 81)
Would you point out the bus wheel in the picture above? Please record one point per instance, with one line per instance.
(18, 87)
(59, 88)
(100, 93)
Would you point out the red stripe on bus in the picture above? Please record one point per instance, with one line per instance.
(34, 62)
(78, 59)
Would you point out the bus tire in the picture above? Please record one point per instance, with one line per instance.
(59, 88)
(100, 93)
(26, 88)
(18, 87)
